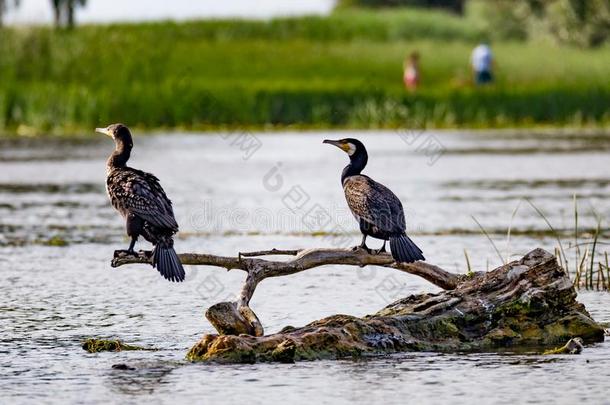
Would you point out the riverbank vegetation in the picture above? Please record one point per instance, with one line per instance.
(340, 71)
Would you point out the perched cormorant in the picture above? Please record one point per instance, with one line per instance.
(376, 208)
(140, 199)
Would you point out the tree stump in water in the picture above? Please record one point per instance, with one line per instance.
(529, 302)
(524, 303)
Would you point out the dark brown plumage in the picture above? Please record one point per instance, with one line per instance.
(375, 205)
(141, 200)
(377, 209)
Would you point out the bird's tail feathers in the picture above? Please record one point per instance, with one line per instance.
(404, 250)
(167, 262)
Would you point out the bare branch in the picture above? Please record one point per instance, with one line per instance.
(193, 259)
(231, 317)
(271, 252)
(304, 259)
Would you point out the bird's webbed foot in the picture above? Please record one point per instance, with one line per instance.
(363, 247)
(125, 252)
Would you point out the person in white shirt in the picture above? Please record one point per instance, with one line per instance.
(482, 63)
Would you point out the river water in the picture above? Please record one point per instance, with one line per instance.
(243, 192)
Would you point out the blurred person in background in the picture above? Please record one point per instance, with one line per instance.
(411, 71)
(482, 63)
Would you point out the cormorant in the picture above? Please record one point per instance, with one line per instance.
(140, 199)
(376, 208)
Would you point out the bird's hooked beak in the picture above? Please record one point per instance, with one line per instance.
(344, 146)
(104, 131)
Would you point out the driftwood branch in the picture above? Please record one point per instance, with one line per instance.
(237, 317)
(528, 302)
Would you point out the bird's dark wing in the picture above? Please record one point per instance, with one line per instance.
(374, 203)
(136, 192)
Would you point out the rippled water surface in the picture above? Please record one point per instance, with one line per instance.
(58, 233)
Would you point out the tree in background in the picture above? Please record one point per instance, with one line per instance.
(584, 23)
(4, 6)
(578, 22)
(63, 11)
(573, 22)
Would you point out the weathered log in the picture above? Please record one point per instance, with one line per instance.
(527, 302)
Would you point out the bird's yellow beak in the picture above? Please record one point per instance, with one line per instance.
(341, 145)
(104, 131)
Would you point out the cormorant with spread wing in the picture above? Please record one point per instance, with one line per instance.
(376, 208)
(140, 199)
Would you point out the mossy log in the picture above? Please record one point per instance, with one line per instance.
(102, 345)
(528, 302)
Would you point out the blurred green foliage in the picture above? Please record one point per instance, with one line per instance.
(341, 71)
(578, 22)
(572, 22)
(575, 22)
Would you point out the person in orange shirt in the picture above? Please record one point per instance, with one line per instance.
(411, 71)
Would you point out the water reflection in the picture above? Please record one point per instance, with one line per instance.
(139, 378)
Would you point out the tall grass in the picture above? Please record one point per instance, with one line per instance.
(590, 264)
(589, 268)
(337, 71)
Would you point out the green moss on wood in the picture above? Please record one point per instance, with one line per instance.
(574, 346)
(101, 345)
(529, 302)
(56, 241)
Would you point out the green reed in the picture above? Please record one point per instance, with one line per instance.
(589, 267)
(341, 71)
